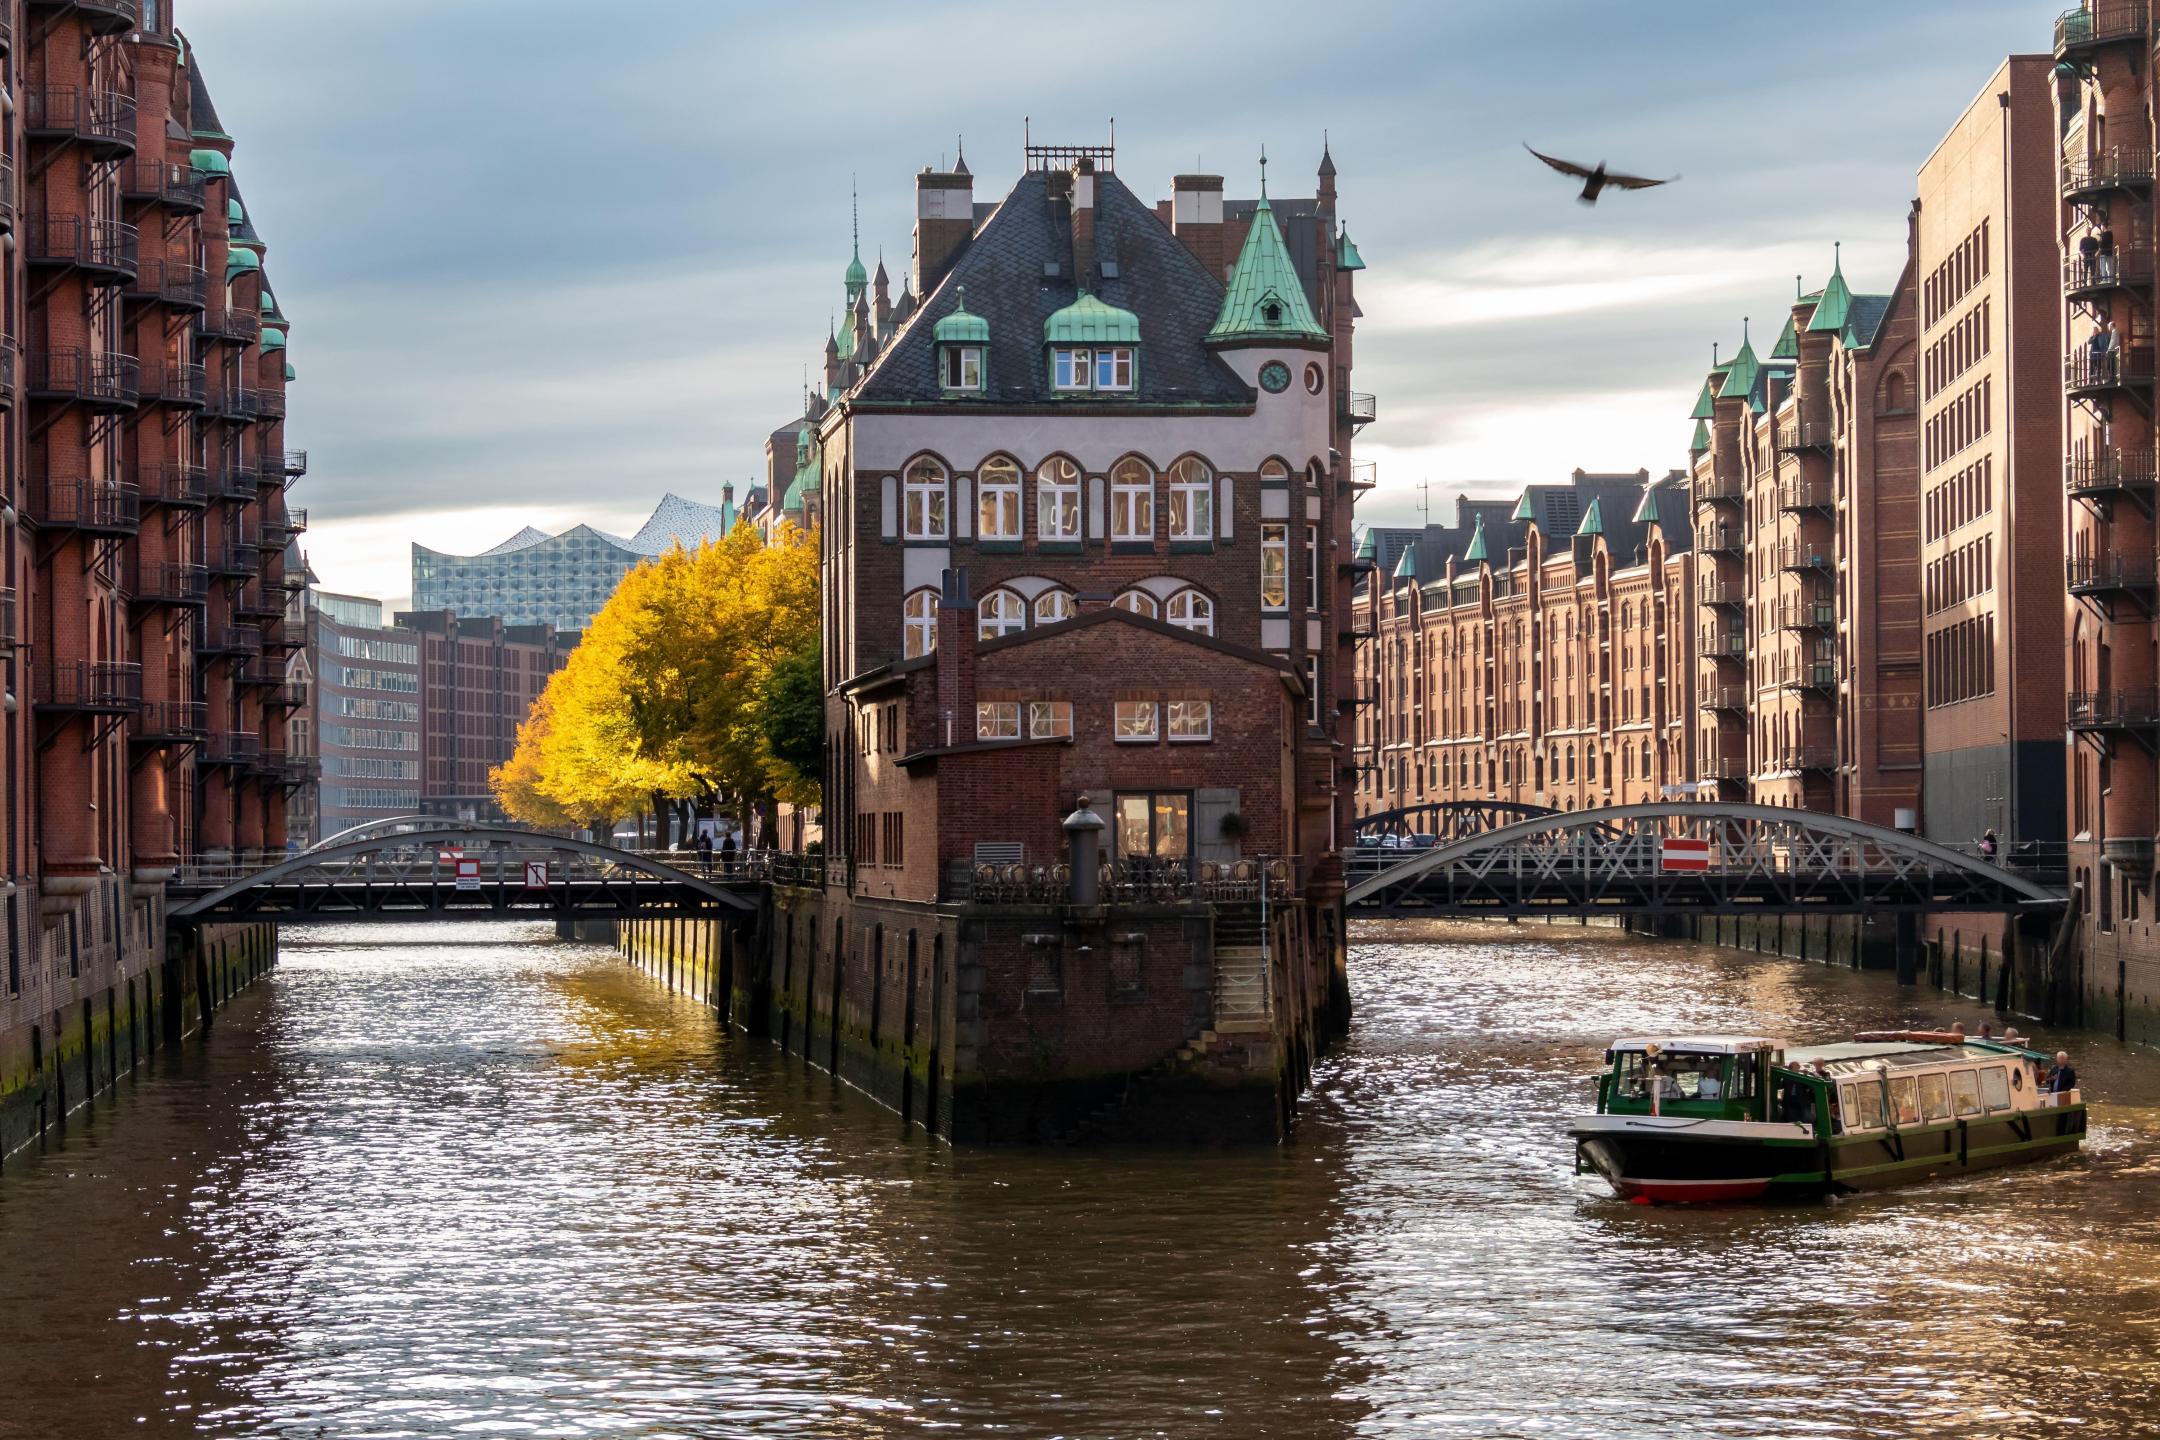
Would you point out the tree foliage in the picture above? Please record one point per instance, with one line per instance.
(687, 685)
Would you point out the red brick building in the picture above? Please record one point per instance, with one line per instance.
(142, 377)
(478, 681)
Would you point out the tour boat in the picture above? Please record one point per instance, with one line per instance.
(1724, 1117)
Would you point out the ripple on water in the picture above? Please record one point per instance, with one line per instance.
(431, 1186)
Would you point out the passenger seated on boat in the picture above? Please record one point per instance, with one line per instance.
(1709, 1087)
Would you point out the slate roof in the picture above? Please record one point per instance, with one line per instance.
(1003, 269)
(245, 230)
(201, 113)
(1864, 318)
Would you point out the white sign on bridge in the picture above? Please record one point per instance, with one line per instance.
(536, 874)
(468, 874)
(1682, 852)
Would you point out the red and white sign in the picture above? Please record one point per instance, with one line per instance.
(450, 856)
(1680, 852)
(468, 874)
(536, 874)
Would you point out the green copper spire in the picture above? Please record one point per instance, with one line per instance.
(1406, 563)
(1346, 252)
(1706, 403)
(1477, 554)
(1788, 344)
(1647, 512)
(857, 277)
(1265, 300)
(1593, 520)
(1368, 546)
(1740, 378)
(1524, 510)
(1830, 311)
(1701, 442)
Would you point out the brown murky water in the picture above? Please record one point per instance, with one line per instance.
(462, 1182)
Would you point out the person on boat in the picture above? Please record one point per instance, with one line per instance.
(1957, 1028)
(2011, 1036)
(1987, 1029)
(2064, 1078)
(1709, 1087)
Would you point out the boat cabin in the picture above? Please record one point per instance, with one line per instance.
(1720, 1076)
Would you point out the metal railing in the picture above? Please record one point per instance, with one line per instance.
(231, 640)
(175, 384)
(7, 182)
(1721, 539)
(232, 747)
(2102, 22)
(104, 245)
(173, 583)
(295, 463)
(291, 695)
(2107, 271)
(2110, 570)
(2109, 470)
(102, 118)
(2118, 167)
(105, 17)
(170, 483)
(2085, 368)
(1364, 474)
(1803, 673)
(1806, 495)
(79, 504)
(1804, 435)
(1802, 555)
(222, 322)
(1795, 614)
(7, 619)
(1723, 644)
(110, 687)
(1359, 408)
(108, 380)
(270, 403)
(170, 282)
(1804, 758)
(1723, 767)
(236, 558)
(1723, 697)
(232, 482)
(183, 187)
(2137, 708)
(1714, 591)
(166, 721)
(1124, 882)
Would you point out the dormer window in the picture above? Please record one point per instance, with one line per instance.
(1105, 367)
(1113, 368)
(1070, 368)
(1093, 347)
(962, 341)
(963, 367)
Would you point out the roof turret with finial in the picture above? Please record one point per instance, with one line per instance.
(1830, 311)
(1740, 375)
(857, 277)
(1265, 299)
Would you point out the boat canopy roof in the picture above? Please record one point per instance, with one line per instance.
(1863, 1056)
(1702, 1044)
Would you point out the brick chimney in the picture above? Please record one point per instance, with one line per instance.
(1083, 223)
(1196, 217)
(944, 222)
(955, 660)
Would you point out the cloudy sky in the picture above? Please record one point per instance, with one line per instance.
(550, 259)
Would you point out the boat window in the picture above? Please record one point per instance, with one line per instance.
(1863, 1106)
(1746, 1078)
(1935, 1096)
(1995, 1087)
(1630, 1082)
(1965, 1092)
(1905, 1099)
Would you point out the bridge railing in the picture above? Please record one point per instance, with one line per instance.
(1126, 882)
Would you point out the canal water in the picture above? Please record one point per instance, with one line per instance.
(463, 1181)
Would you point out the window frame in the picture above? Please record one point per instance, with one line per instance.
(1000, 493)
(923, 625)
(1072, 368)
(1057, 713)
(1057, 497)
(934, 495)
(1141, 492)
(1066, 604)
(1001, 712)
(1191, 595)
(1194, 496)
(955, 360)
(1144, 597)
(1275, 547)
(1119, 720)
(1189, 706)
(989, 627)
(1118, 360)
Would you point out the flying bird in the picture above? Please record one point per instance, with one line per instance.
(1595, 181)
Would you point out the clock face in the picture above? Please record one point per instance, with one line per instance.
(1275, 377)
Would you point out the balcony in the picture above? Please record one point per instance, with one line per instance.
(1722, 483)
(100, 507)
(1722, 644)
(1731, 699)
(1358, 408)
(155, 182)
(111, 250)
(2103, 22)
(1804, 759)
(2084, 278)
(1803, 557)
(235, 559)
(231, 402)
(10, 371)
(184, 487)
(101, 120)
(1714, 591)
(295, 582)
(186, 386)
(2110, 574)
(296, 522)
(232, 482)
(295, 464)
(7, 620)
(234, 327)
(2087, 373)
(1799, 495)
(7, 185)
(90, 687)
(2104, 710)
(2109, 473)
(270, 403)
(104, 381)
(1364, 474)
(1806, 615)
(169, 282)
(275, 532)
(258, 604)
(1724, 767)
(1806, 674)
(2116, 169)
(232, 747)
(230, 640)
(163, 724)
(168, 585)
(291, 695)
(255, 675)
(103, 17)
(1721, 540)
(1804, 435)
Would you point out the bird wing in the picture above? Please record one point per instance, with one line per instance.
(1565, 167)
(1634, 182)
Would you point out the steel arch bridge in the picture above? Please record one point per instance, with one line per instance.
(457, 871)
(1746, 860)
(1446, 819)
(392, 825)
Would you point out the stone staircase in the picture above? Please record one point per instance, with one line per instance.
(1243, 993)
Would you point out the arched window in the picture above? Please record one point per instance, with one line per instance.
(1132, 502)
(1052, 606)
(925, 507)
(920, 623)
(1191, 610)
(1192, 500)
(1000, 613)
(1139, 602)
(1274, 470)
(1646, 759)
(1057, 500)
(997, 506)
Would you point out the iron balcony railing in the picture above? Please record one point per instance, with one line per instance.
(295, 463)
(1716, 591)
(1724, 767)
(1723, 644)
(10, 370)
(1804, 758)
(2118, 167)
(2108, 572)
(255, 675)
(258, 604)
(1123, 882)
(1802, 556)
(1364, 474)
(170, 282)
(296, 521)
(2134, 709)
(170, 483)
(2110, 472)
(104, 120)
(231, 640)
(1721, 539)
(173, 583)
(2091, 274)
(222, 322)
(292, 695)
(232, 747)
(277, 469)
(232, 482)
(95, 686)
(104, 17)
(7, 619)
(1800, 673)
(105, 381)
(236, 559)
(1722, 483)
(1359, 408)
(7, 187)
(1796, 495)
(270, 403)
(112, 248)
(1804, 435)
(2086, 369)
(169, 384)
(1723, 697)
(2102, 22)
(171, 722)
(101, 506)
(182, 187)
(1806, 615)
(294, 582)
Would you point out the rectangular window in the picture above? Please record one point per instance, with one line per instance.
(1113, 368)
(1069, 368)
(1312, 691)
(925, 503)
(1132, 509)
(1192, 508)
(1995, 1087)
(1135, 721)
(1153, 827)
(1057, 501)
(1312, 567)
(997, 720)
(963, 367)
(1965, 1092)
(1863, 1106)
(1274, 566)
(1050, 719)
(1935, 1097)
(997, 509)
(1192, 720)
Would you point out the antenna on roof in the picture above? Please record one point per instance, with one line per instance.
(1263, 171)
(1797, 291)
(1425, 498)
(855, 213)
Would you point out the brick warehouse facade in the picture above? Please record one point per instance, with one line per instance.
(1086, 514)
(143, 378)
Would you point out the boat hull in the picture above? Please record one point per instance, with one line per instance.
(1663, 1161)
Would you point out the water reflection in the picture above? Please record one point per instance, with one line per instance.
(432, 1186)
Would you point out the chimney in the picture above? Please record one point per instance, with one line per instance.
(1083, 223)
(1196, 217)
(944, 223)
(956, 660)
